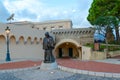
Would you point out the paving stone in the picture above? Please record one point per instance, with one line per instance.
(108, 74)
(99, 74)
(91, 73)
(84, 72)
(8, 76)
(116, 75)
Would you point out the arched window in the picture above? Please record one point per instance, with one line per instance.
(12, 39)
(90, 31)
(35, 40)
(21, 40)
(2, 39)
(41, 41)
(29, 40)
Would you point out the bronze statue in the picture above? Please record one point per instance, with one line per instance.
(48, 46)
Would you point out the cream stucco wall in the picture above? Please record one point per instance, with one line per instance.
(114, 53)
(52, 25)
(96, 55)
(26, 50)
(89, 54)
(86, 53)
(23, 51)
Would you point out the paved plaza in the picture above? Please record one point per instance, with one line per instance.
(48, 75)
(30, 70)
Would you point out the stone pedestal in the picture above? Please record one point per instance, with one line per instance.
(48, 66)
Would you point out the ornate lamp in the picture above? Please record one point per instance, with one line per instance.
(7, 30)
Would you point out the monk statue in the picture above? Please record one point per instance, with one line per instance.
(48, 46)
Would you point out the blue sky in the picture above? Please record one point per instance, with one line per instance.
(44, 10)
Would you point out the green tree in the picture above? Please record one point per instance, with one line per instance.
(106, 9)
(106, 27)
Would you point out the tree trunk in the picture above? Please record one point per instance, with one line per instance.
(117, 34)
(106, 41)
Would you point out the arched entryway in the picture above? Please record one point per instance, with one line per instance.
(68, 48)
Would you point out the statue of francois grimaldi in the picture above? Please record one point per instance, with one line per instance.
(48, 46)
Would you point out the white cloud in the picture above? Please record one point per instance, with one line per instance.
(36, 10)
(18, 5)
(32, 6)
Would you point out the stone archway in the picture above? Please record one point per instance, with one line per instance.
(68, 48)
